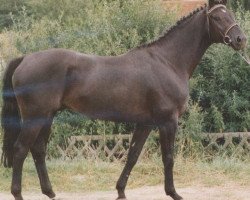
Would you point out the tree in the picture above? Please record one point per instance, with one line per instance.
(7, 7)
(244, 3)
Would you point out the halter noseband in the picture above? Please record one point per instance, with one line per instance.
(226, 39)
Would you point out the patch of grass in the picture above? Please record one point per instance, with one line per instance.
(217, 172)
(231, 168)
(86, 175)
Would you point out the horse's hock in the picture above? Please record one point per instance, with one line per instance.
(115, 147)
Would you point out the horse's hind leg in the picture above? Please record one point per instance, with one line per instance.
(139, 138)
(38, 151)
(29, 132)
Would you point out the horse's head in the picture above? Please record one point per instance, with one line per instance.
(223, 27)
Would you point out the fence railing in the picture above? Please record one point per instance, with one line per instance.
(115, 147)
(239, 139)
(112, 147)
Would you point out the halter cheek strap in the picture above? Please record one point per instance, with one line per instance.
(226, 38)
(215, 7)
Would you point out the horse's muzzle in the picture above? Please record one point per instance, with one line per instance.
(239, 42)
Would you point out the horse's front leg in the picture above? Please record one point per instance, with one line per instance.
(139, 138)
(167, 138)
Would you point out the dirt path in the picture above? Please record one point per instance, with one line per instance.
(151, 193)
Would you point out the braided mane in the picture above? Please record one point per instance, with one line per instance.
(172, 28)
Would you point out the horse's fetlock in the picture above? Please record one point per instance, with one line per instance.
(170, 190)
(120, 187)
(16, 191)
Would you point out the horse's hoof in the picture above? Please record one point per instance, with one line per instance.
(123, 197)
(50, 194)
(19, 198)
(175, 196)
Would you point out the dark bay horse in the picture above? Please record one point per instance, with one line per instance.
(147, 86)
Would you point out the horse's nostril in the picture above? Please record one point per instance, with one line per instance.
(239, 39)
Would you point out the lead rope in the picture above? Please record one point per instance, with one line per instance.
(208, 28)
(244, 56)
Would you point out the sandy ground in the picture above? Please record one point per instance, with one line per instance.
(151, 193)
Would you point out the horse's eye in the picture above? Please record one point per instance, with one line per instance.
(216, 18)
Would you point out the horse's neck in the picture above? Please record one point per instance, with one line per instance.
(183, 47)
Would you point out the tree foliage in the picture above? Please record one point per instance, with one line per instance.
(236, 3)
(8, 7)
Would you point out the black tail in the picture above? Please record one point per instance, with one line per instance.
(11, 120)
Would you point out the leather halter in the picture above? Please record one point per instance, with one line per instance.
(226, 38)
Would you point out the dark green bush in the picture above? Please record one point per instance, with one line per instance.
(235, 4)
(100, 28)
(7, 7)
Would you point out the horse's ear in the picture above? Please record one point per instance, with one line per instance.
(214, 2)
